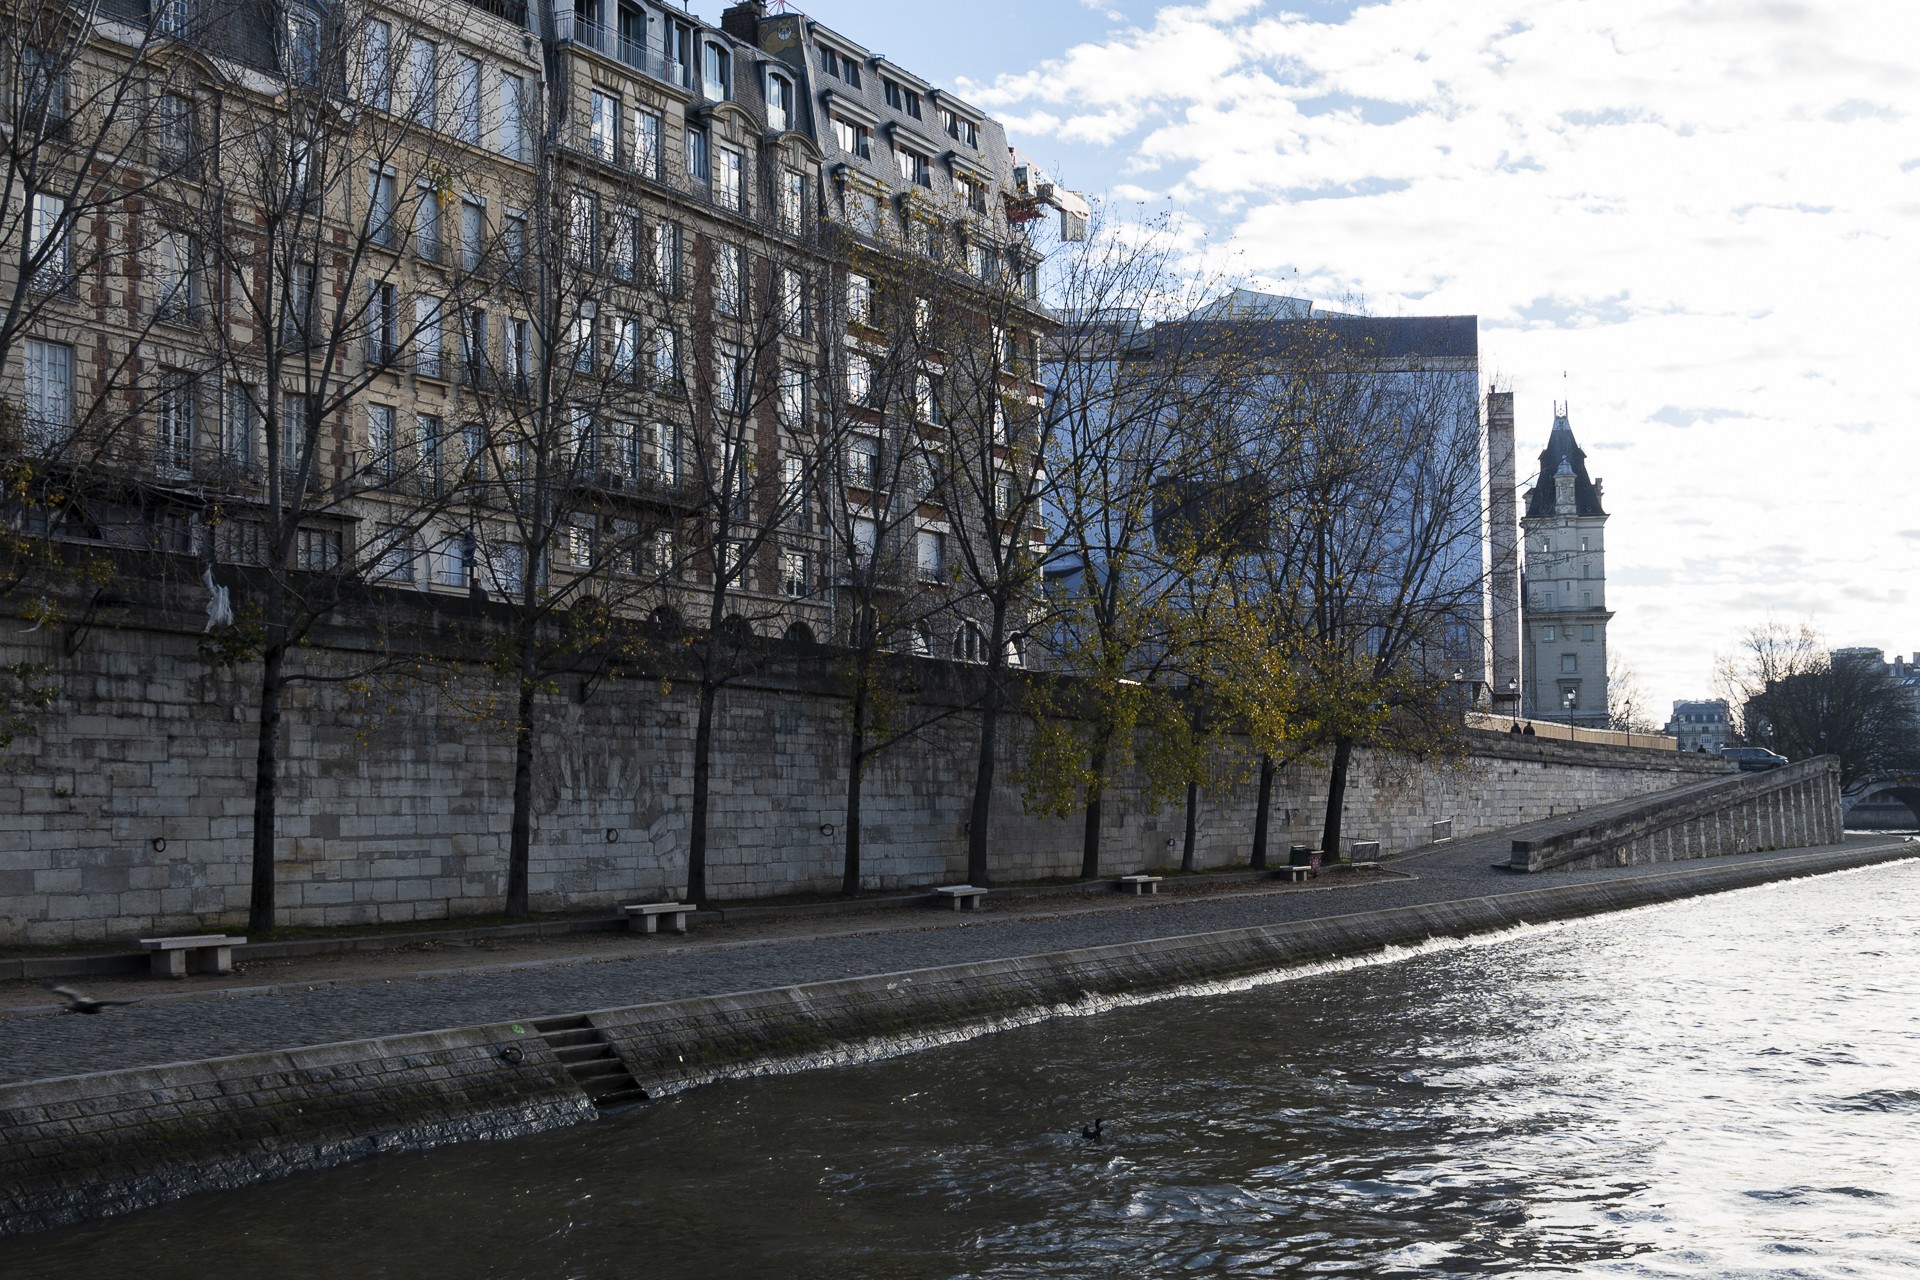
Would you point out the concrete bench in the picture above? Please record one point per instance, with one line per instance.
(1365, 851)
(961, 897)
(202, 953)
(1293, 874)
(647, 916)
(1140, 884)
(1443, 830)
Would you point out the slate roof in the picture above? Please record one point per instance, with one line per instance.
(1563, 451)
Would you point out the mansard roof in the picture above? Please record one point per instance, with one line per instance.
(1563, 452)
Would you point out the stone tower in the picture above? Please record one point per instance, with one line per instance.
(1564, 587)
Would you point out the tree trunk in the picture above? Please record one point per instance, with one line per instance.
(1187, 850)
(1336, 797)
(1261, 813)
(266, 790)
(697, 818)
(983, 785)
(1090, 838)
(520, 841)
(856, 768)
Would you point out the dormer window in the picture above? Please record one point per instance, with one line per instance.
(302, 46)
(854, 139)
(902, 99)
(716, 72)
(779, 102)
(959, 128)
(913, 167)
(840, 66)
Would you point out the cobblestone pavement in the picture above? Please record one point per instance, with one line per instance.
(607, 973)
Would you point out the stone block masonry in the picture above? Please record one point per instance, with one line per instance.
(128, 813)
(88, 1146)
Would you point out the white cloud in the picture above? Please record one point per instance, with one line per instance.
(1702, 213)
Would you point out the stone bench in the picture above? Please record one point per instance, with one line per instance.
(1140, 884)
(1365, 851)
(646, 917)
(1293, 874)
(961, 897)
(202, 953)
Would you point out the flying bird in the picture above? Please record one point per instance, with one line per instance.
(77, 1003)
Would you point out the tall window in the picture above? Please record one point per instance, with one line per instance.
(793, 301)
(793, 398)
(913, 167)
(779, 102)
(381, 451)
(171, 260)
(586, 345)
(859, 378)
(519, 352)
(513, 117)
(239, 426)
(603, 126)
(173, 131)
(395, 545)
(423, 70)
(513, 240)
(466, 99)
(426, 223)
(665, 253)
(859, 298)
(473, 233)
(931, 554)
(623, 242)
(665, 357)
(666, 453)
(427, 338)
(582, 216)
(383, 322)
(959, 128)
(863, 462)
(47, 243)
(716, 72)
(793, 201)
(699, 167)
(302, 37)
(729, 380)
(793, 574)
(173, 423)
(729, 185)
(626, 349)
(646, 143)
(727, 279)
(855, 139)
(382, 215)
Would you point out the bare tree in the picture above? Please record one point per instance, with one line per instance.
(1845, 705)
(1626, 702)
(1764, 655)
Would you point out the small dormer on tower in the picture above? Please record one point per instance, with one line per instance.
(1563, 499)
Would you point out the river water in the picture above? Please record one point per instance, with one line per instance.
(1728, 1086)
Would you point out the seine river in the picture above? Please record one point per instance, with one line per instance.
(1724, 1087)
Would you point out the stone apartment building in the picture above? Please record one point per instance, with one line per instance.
(1703, 724)
(458, 298)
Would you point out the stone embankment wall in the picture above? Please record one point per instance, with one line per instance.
(92, 1145)
(128, 810)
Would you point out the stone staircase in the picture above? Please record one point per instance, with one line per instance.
(1793, 807)
(590, 1060)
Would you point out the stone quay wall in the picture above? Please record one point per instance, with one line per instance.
(127, 810)
(110, 1142)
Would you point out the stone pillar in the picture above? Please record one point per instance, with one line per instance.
(1503, 542)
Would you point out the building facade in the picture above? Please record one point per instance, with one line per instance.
(1702, 725)
(1564, 611)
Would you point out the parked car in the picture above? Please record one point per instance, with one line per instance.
(1753, 759)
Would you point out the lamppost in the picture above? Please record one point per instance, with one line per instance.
(1568, 698)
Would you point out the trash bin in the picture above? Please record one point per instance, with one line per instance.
(1299, 855)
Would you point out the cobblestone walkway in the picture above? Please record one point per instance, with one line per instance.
(718, 960)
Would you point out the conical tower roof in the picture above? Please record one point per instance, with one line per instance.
(1563, 454)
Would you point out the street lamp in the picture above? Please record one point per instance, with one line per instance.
(1568, 697)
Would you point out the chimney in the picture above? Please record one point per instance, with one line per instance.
(742, 21)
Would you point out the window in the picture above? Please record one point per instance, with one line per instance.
(930, 546)
(302, 36)
(793, 398)
(1583, 544)
(603, 127)
(972, 192)
(577, 544)
(170, 17)
(716, 72)
(380, 441)
(173, 131)
(426, 451)
(473, 345)
(854, 139)
(982, 261)
(779, 102)
(866, 539)
(959, 128)
(841, 66)
(729, 179)
(1569, 663)
(1548, 633)
(455, 567)
(382, 215)
(863, 462)
(666, 256)
(317, 550)
(383, 322)
(1586, 599)
(426, 223)
(666, 358)
(239, 426)
(427, 339)
(1586, 633)
(665, 554)
(466, 99)
(171, 260)
(394, 545)
(859, 378)
(729, 380)
(666, 454)
(699, 170)
(727, 273)
(793, 201)
(519, 353)
(626, 349)
(926, 398)
(859, 298)
(513, 117)
(646, 143)
(297, 322)
(913, 167)
(794, 579)
(970, 642)
(45, 84)
(583, 216)
(423, 70)
(793, 302)
(793, 492)
(173, 423)
(513, 241)
(47, 243)
(585, 341)
(902, 99)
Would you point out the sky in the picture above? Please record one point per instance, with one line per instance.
(1696, 222)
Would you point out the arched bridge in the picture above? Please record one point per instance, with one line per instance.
(1901, 785)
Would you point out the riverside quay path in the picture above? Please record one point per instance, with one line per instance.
(328, 998)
